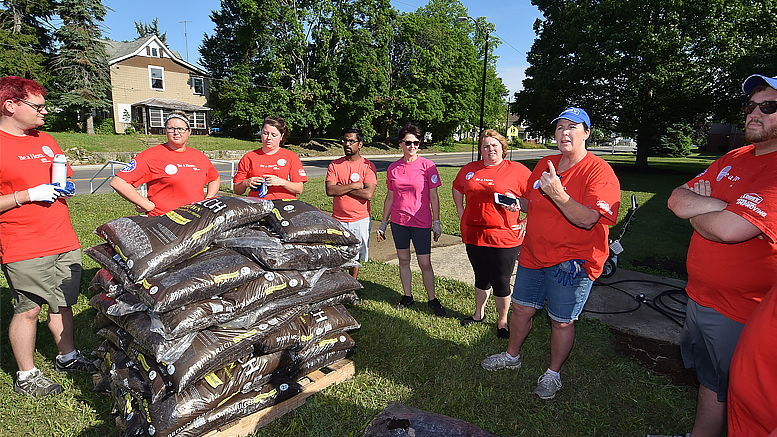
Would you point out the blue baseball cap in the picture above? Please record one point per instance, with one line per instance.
(753, 81)
(578, 115)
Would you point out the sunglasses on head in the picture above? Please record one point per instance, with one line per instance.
(767, 106)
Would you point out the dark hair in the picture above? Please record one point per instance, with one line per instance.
(354, 130)
(758, 89)
(410, 128)
(15, 87)
(279, 124)
(493, 134)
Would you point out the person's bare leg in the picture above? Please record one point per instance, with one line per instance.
(710, 414)
(520, 325)
(61, 327)
(562, 338)
(481, 298)
(405, 275)
(502, 308)
(21, 334)
(427, 273)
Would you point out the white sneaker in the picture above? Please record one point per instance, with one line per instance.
(501, 361)
(547, 386)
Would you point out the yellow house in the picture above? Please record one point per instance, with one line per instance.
(149, 81)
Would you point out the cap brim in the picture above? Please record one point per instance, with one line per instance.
(755, 80)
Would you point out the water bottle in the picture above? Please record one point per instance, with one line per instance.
(59, 170)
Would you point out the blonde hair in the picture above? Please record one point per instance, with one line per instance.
(493, 134)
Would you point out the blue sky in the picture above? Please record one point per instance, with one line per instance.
(187, 22)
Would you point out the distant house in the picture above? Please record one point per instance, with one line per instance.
(149, 81)
(724, 137)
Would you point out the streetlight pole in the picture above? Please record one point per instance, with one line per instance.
(485, 66)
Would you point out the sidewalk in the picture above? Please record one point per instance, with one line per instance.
(612, 300)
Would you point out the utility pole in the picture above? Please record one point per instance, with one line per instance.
(186, 38)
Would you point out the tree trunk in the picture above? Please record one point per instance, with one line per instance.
(307, 134)
(643, 149)
(89, 123)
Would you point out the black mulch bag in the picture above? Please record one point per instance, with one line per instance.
(318, 361)
(101, 321)
(117, 368)
(132, 411)
(246, 375)
(150, 245)
(326, 284)
(258, 243)
(106, 256)
(398, 420)
(329, 343)
(143, 327)
(103, 281)
(214, 348)
(346, 298)
(244, 404)
(154, 374)
(207, 274)
(298, 222)
(270, 286)
(309, 328)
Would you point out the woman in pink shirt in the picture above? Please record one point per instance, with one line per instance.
(414, 209)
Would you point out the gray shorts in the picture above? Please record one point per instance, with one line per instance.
(52, 279)
(707, 343)
(361, 228)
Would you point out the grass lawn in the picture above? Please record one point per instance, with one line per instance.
(408, 356)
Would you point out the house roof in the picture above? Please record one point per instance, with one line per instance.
(120, 50)
(171, 104)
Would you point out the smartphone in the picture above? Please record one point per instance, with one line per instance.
(501, 199)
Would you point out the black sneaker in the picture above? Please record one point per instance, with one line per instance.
(37, 385)
(435, 305)
(78, 364)
(405, 302)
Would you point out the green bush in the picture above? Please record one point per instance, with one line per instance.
(104, 126)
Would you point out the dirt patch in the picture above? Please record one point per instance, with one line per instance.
(659, 356)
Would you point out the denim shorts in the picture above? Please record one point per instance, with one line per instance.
(52, 279)
(565, 302)
(421, 238)
(361, 228)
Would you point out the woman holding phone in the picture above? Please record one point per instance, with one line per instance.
(490, 224)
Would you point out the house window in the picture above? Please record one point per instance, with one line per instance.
(154, 52)
(156, 116)
(198, 84)
(157, 77)
(198, 120)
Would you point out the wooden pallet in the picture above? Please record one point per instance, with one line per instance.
(312, 383)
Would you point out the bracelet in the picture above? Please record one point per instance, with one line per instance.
(15, 199)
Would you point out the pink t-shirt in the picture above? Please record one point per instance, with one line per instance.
(347, 208)
(36, 228)
(284, 163)
(174, 178)
(410, 182)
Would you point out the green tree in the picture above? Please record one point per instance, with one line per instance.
(148, 29)
(25, 39)
(637, 66)
(81, 65)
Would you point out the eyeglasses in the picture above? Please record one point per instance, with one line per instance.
(37, 107)
(348, 141)
(767, 106)
(180, 130)
(412, 143)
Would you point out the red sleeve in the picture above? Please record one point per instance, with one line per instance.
(137, 172)
(296, 171)
(243, 168)
(372, 174)
(330, 172)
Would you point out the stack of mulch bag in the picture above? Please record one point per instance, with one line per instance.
(215, 310)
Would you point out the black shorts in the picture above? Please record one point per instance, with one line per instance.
(421, 238)
(493, 267)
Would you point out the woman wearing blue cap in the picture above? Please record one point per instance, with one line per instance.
(571, 200)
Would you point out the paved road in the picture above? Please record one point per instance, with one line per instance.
(315, 167)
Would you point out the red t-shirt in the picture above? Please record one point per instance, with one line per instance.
(36, 228)
(550, 237)
(733, 278)
(411, 182)
(752, 386)
(283, 163)
(174, 178)
(484, 223)
(348, 208)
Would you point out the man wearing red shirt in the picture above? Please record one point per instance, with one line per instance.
(39, 250)
(732, 258)
(351, 181)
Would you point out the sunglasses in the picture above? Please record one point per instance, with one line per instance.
(412, 143)
(767, 106)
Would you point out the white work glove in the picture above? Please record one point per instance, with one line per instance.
(437, 229)
(382, 230)
(44, 193)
